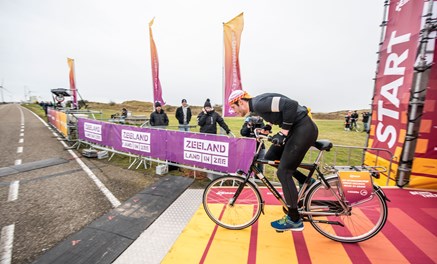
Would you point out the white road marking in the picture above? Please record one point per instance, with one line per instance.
(21, 140)
(17, 162)
(6, 243)
(13, 191)
(112, 199)
(20, 150)
(21, 134)
(22, 130)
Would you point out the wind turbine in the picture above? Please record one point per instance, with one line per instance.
(1, 90)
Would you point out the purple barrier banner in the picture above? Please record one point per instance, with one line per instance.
(209, 151)
(218, 153)
(146, 142)
(94, 131)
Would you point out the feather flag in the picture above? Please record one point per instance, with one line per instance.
(232, 79)
(72, 82)
(157, 89)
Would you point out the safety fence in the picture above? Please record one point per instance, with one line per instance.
(201, 152)
(198, 151)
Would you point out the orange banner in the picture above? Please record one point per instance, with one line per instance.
(232, 35)
(72, 82)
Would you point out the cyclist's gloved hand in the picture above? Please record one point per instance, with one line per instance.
(267, 128)
(279, 139)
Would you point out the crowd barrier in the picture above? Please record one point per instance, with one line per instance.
(197, 150)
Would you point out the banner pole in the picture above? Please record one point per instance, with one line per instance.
(417, 101)
(223, 72)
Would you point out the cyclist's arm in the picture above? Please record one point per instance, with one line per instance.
(283, 105)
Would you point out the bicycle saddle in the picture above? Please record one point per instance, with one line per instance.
(323, 145)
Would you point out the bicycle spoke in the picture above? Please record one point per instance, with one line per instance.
(362, 221)
(235, 212)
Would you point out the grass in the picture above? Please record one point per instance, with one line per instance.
(332, 130)
(37, 109)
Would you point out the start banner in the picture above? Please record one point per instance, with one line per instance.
(395, 76)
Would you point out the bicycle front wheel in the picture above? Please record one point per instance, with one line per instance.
(360, 222)
(227, 208)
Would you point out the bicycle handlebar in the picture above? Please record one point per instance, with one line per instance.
(261, 136)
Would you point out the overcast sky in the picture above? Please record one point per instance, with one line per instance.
(320, 53)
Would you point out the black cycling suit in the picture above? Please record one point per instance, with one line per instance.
(289, 115)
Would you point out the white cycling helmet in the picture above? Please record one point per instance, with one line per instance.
(237, 95)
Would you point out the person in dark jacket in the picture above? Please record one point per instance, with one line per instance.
(297, 134)
(158, 117)
(123, 113)
(208, 119)
(183, 115)
(252, 122)
(366, 123)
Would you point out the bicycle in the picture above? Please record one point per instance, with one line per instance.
(235, 202)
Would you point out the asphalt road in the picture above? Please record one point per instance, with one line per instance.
(51, 196)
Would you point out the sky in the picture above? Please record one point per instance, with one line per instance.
(320, 53)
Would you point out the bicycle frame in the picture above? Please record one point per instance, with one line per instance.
(307, 166)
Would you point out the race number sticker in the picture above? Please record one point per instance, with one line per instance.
(357, 185)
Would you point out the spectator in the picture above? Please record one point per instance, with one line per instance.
(366, 121)
(44, 106)
(208, 119)
(158, 117)
(123, 113)
(347, 121)
(183, 115)
(354, 119)
(252, 122)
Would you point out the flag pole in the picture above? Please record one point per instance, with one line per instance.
(223, 71)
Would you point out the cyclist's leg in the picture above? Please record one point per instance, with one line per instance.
(299, 176)
(274, 153)
(301, 138)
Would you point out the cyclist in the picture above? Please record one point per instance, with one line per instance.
(297, 134)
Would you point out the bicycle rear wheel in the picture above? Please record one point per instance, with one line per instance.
(361, 222)
(227, 210)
